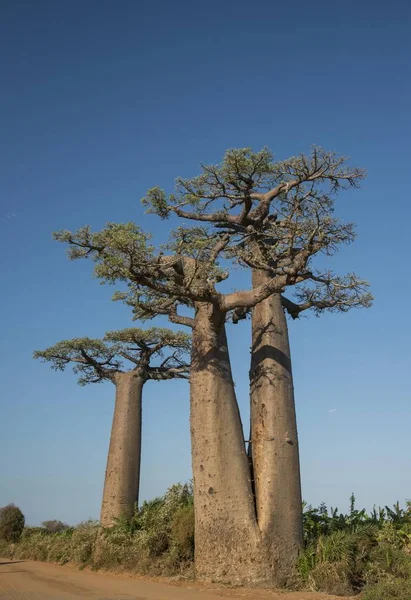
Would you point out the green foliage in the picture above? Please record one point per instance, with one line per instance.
(159, 539)
(156, 281)
(155, 339)
(396, 589)
(243, 171)
(55, 526)
(182, 531)
(162, 352)
(11, 523)
(96, 360)
(250, 210)
(91, 359)
(70, 545)
(277, 215)
(117, 250)
(345, 552)
(29, 531)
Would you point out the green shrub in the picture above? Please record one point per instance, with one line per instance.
(5, 549)
(157, 543)
(343, 554)
(332, 578)
(387, 560)
(397, 589)
(158, 540)
(11, 523)
(33, 546)
(29, 531)
(182, 532)
(82, 542)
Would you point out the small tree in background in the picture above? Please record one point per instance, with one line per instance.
(155, 354)
(55, 526)
(11, 523)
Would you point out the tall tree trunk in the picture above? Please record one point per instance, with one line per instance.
(227, 543)
(122, 480)
(275, 453)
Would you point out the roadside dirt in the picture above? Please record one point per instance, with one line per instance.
(28, 580)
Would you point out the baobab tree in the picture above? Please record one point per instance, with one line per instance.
(230, 543)
(266, 213)
(153, 354)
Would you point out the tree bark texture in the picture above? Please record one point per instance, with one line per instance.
(274, 440)
(228, 542)
(121, 485)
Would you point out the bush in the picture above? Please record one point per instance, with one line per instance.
(11, 523)
(157, 540)
(28, 531)
(182, 532)
(397, 589)
(54, 526)
(332, 578)
(343, 554)
(75, 545)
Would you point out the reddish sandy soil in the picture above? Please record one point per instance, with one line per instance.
(27, 580)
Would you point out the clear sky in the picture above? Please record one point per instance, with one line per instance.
(101, 100)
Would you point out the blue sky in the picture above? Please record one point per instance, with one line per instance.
(101, 100)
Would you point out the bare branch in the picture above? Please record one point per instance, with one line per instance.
(174, 317)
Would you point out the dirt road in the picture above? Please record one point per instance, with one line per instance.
(27, 580)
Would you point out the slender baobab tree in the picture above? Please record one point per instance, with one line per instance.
(231, 543)
(267, 213)
(153, 354)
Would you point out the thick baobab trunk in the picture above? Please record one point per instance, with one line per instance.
(274, 438)
(121, 485)
(227, 540)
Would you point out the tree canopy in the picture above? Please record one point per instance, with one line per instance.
(251, 210)
(159, 352)
(276, 216)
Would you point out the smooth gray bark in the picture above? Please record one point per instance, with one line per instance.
(121, 485)
(274, 439)
(227, 538)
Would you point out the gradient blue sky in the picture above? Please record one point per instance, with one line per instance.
(101, 100)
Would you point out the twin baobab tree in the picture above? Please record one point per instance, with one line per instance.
(273, 218)
(154, 354)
